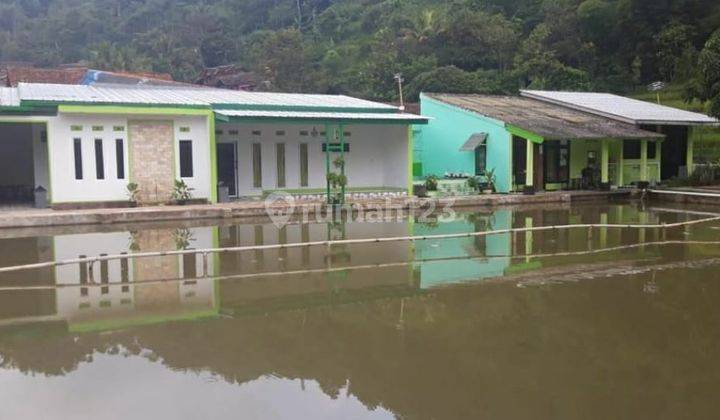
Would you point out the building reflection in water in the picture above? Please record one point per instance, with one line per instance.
(142, 290)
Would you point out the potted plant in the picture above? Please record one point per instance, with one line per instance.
(431, 183)
(133, 192)
(475, 183)
(182, 193)
(490, 180)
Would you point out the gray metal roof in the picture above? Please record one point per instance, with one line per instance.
(552, 122)
(325, 116)
(473, 142)
(9, 97)
(187, 96)
(621, 108)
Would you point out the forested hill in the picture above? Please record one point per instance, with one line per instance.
(356, 46)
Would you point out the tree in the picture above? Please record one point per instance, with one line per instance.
(675, 49)
(536, 66)
(706, 84)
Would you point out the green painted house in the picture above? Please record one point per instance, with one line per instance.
(554, 140)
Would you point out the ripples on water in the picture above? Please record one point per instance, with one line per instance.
(552, 324)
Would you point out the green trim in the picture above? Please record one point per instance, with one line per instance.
(115, 324)
(410, 161)
(296, 108)
(327, 162)
(49, 159)
(348, 121)
(213, 159)
(528, 135)
(134, 110)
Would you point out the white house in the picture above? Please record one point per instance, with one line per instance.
(84, 144)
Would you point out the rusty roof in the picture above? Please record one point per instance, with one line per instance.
(72, 76)
(552, 122)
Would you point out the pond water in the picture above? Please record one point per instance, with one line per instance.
(558, 324)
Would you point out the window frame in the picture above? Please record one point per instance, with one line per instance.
(78, 158)
(99, 159)
(185, 171)
(280, 167)
(257, 164)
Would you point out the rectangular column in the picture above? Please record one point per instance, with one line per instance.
(604, 161)
(529, 163)
(621, 165)
(690, 148)
(643, 160)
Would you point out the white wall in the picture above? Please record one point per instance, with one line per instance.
(115, 301)
(199, 135)
(40, 155)
(68, 189)
(378, 155)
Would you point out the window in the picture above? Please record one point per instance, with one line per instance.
(120, 158)
(186, 159)
(303, 164)
(557, 161)
(184, 129)
(99, 160)
(632, 149)
(257, 165)
(77, 147)
(280, 153)
(480, 159)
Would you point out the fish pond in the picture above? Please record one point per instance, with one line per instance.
(591, 323)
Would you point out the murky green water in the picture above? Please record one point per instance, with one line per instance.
(544, 325)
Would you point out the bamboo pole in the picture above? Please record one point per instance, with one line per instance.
(360, 267)
(330, 243)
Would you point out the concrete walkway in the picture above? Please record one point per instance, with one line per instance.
(18, 218)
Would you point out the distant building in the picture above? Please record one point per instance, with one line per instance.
(229, 77)
(553, 140)
(11, 74)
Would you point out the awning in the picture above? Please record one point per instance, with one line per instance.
(472, 143)
(348, 117)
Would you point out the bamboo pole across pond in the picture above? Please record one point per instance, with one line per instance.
(356, 267)
(207, 251)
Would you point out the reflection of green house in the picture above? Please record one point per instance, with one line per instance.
(551, 140)
(452, 257)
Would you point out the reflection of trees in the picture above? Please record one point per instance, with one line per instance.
(495, 350)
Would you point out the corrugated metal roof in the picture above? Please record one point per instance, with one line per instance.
(187, 96)
(621, 108)
(552, 122)
(9, 97)
(325, 116)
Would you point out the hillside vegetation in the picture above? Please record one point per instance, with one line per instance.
(356, 46)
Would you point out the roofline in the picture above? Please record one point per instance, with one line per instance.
(520, 131)
(528, 94)
(320, 120)
(28, 104)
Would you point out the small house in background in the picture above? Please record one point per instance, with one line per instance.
(12, 74)
(554, 140)
(230, 76)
